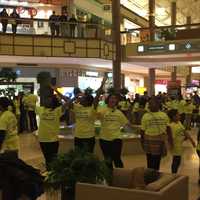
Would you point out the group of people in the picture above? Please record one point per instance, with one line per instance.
(64, 25)
(13, 18)
(160, 123)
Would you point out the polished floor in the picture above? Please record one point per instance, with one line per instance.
(30, 152)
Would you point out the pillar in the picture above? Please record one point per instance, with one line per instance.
(152, 19)
(189, 76)
(152, 74)
(173, 23)
(188, 21)
(117, 41)
(151, 81)
(174, 74)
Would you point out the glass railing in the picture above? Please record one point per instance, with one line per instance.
(163, 33)
(55, 28)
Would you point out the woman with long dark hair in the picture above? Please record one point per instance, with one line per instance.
(112, 120)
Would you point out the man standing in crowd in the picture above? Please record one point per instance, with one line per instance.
(72, 25)
(15, 16)
(4, 21)
(30, 104)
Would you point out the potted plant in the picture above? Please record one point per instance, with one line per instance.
(76, 166)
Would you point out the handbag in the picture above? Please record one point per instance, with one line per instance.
(154, 144)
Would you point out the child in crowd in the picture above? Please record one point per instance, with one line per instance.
(179, 134)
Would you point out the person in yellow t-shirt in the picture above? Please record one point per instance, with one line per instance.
(154, 127)
(112, 120)
(29, 102)
(85, 115)
(189, 107)
(9, 139)
(179, 134)
(49, 128)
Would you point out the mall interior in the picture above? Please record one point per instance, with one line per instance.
(141, 45)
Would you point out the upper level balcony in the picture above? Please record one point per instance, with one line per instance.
(42, 38)
(173, 46)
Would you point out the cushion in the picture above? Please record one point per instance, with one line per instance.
(138, 178)
(164, 180)
(122, 178)
(129, 178)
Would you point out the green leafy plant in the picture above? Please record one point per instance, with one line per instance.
(111, 91)
(124, 91)
(7, 74)
(77, 166)
(88, 91)
(168, 34)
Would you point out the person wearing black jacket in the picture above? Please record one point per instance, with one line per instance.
(15, 20)
(4, 22)
(72, 25)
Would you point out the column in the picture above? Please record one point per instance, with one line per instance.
(152, 19)
(174, 74)
(152, 74)
(189, 76)
(151, 81)
(117, 41)
(188, 21)
(173, 23)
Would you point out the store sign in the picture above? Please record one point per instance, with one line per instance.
(167, 82)
(94, 74)
(178, 47)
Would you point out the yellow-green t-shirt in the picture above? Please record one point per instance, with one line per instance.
(49, 125)
(181, 106)
(178, 137)
(30, 101)
(189, 108)
(136, 107)
(111, 122)
(124, 105)
(154, 123)
(84, 121)
(8, 123)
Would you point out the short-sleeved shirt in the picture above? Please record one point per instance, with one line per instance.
(49, 125)
(154, 123)
(8, 123)
(124, 105)
(111, 122)
(84, 121)
(181, 106)
(30, 101)
(178, 137)
(189, 108)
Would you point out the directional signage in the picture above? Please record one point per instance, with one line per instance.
(167, 47)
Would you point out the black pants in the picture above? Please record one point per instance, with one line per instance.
(49, 150)
(153, 161)
(182, 117)
(112, 152)
(175, 164)
(14, 28)
(4, 27)
(86, 144)
(32, 119)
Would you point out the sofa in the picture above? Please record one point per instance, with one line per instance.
(167, 187)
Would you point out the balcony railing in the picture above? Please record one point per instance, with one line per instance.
(163, 33)
(55, 28)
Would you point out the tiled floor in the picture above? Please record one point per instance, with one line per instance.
(30, 152)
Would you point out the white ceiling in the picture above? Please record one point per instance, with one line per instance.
(56, 62)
